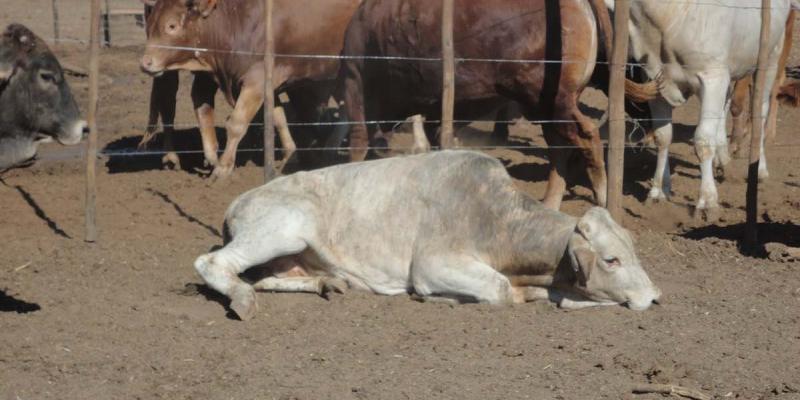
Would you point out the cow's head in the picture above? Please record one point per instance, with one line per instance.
(605, 263)
(173, 28)
(36, 103)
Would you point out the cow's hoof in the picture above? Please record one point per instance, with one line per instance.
(220, 173)
(724, 172)
(332, 285)
(656, 197)
(709, 215)
(171, 161)
(763, 175)
(243, 302)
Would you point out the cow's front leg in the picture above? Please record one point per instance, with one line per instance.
(460, 277)
(662, 123)
(713, 97)
(203, 91)
(250, 100)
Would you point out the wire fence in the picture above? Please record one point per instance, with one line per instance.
(636, 122)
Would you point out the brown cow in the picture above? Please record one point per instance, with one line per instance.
(227, 39)
(565, 32)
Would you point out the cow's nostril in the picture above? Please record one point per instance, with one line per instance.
(656, 302)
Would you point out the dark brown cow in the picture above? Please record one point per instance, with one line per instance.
(564, 32)
(233, 33)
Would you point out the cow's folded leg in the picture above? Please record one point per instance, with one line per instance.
(221, 269)
(523, 294)
(460, 277)
(662, 124)
(248, 103)
(320, 285)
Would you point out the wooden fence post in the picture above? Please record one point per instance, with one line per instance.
(448, 67)
(751, 229)
(269, 95)
(91, 151)
(56, 29)
(616, 109)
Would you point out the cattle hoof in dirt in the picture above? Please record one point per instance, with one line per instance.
(656, 196)
(220, 174)
(763, 175)
(708, 215)
(171, 161)
(243, 302)
(332, 285)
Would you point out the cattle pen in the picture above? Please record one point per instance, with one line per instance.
(126, 316)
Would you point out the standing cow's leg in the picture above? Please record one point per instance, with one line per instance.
(354, 105)
(559, 153)
(722, 157)
(421, 143)
(771, 73)
(247, 105)
(662, 131)
(740, 115)
(163, 95)
(204, 88)
(460, 277)
(590, 146)
(282, 126)
(713, 96)
(780, 78)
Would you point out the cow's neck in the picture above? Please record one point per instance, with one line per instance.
(537, 239)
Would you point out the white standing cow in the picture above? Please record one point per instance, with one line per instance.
(447, 225)
(697, 47)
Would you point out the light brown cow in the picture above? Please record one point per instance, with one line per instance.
(227, 39)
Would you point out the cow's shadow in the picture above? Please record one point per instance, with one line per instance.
(769, 232)
(12, 304)
(124, 156)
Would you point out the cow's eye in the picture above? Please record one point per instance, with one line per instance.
(48, 77)
(612, 261)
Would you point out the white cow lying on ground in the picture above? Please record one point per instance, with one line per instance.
(447, 225)
(697, 47)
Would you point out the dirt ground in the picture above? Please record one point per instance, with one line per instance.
(128, 318)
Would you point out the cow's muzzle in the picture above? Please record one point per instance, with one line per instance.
(150, 66)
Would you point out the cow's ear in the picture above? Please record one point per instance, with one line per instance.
(585, 258)
(149, 3)
(204, 7)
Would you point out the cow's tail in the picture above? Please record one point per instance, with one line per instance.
(636, 92)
